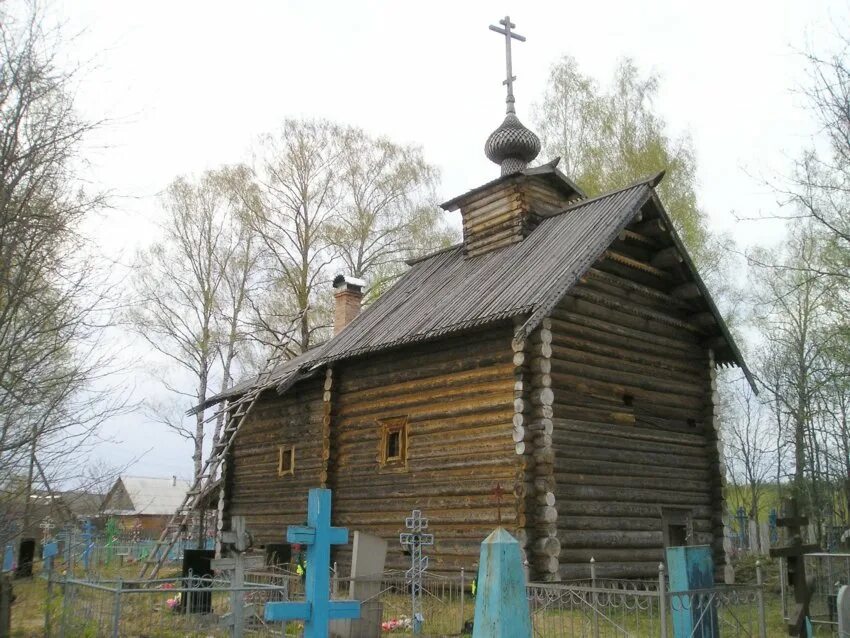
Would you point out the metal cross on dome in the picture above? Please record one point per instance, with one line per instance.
(509, 81)
(414, 540)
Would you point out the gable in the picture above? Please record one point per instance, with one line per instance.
(142, 495)
(648, 246)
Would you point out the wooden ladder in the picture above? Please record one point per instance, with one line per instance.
(235, 413)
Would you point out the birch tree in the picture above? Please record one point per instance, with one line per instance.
(611, 136)
(191, 289)
(388, 210)
(55, 296)
(793, 309)
(298, 191)
(333, 198)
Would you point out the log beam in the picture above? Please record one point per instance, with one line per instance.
(666, 257)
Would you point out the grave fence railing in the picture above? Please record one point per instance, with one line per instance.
(827, 573)
(592, 608)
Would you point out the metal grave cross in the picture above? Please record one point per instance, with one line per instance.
(414, 540)
(46, 525)
(509, 81)
(318, 536)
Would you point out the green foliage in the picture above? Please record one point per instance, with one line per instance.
(610, 137)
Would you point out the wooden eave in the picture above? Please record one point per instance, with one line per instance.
(548, 172)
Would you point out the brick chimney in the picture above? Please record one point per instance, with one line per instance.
(348, 296)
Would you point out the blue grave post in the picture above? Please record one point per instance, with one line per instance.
(774, 531)
(88, 543)
(694, 614)
(501, 604)
(9, 558)
(48, 552)
(318, 536)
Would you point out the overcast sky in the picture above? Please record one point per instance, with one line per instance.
(189, 86)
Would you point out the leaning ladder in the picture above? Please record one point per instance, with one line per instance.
(235, 413)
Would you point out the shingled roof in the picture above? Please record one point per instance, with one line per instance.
(447, 293)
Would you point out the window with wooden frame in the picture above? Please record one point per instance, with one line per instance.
(393, 452)
(677, 526)
(286, 460)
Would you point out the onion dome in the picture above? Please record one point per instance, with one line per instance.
(512, 146)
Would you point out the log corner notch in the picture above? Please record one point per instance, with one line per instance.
(524, 480)
(717, 459)
(327, 418)
(533, 426)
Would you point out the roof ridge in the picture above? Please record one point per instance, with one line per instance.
(650, 180)
(415, 260)
(151, 478)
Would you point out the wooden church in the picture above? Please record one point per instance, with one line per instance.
(565, 351)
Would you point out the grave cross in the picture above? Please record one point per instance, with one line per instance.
(498, 493)
(414, 540)
(318, 535)
(46, 525)
(794, 554)
(509, 81)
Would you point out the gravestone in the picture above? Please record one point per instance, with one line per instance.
(843, 610)
(199, 563)
(318, 535)
(26, 555)
(501, 605)
(367, 568)
(691, 568)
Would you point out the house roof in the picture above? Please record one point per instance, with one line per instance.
(81, 503)
(446, 293)
(150, 496)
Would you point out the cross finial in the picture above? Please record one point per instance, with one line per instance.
(509, 81)
(498, 492)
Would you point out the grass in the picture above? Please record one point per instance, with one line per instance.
(146, 614)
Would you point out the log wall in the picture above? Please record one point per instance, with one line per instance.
(634, 436)
(504, 214)
(458, 398)
(254, 490)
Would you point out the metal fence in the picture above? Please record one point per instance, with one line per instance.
(604, 608)
(595, 608)
(178, 607)
(82, 554)
(827, 573)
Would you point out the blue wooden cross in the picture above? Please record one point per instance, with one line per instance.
(88, 543)
(318, 610)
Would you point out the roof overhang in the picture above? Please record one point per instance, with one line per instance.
(548, 172)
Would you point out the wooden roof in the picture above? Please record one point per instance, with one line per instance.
(447, 293)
